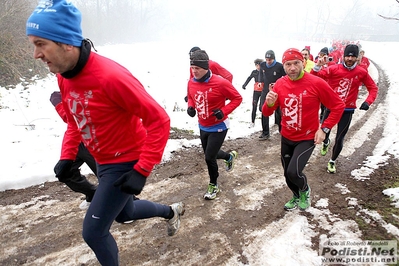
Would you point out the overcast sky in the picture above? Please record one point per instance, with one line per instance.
(255, 17)
(239, 21)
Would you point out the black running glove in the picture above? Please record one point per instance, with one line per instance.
(191, 111)
(186, 99)
(62, 168)
(131, 182)
(365, 106)
(218, 113)
(243, 87)
(55, 98)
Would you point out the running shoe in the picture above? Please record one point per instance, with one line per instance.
(84, 205)
(174, 222)
(324, 148)
(230, 163)
(212, 191)
(264, 136)
(304, 199)
(292, 204)
(331, 168)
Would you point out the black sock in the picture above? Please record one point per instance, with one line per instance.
(171, 213)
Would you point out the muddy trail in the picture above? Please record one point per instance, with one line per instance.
(42, 225)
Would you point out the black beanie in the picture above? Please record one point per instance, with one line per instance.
(351, 50)
(270, 54)
(324, 51)
(258, 61)
(200, 58)
(192, 50)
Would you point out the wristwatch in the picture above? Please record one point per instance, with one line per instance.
(325, 130)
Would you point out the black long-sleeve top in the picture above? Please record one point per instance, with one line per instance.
(255, 75)
(271, 74)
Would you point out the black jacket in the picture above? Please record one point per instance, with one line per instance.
(270, 75)
(255, 75)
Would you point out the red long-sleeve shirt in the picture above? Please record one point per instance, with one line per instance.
(364, 63)
(346, 82)
(109, 110)
(299, 102)
(210, 95)
(61, 112)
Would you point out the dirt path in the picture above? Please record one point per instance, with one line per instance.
(41, 225)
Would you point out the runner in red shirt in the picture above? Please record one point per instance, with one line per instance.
(73, 178)
(345, 79)
(299, 95)
(108, 110)
(215, 68)
(207, 94)
(363, 61)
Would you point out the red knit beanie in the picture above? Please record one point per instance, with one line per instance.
(292, 54)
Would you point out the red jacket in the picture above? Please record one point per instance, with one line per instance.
(364, 63)
(346, 83)
(61, 112)
(299, 102)
(109, 110)
(217, 70)
(210, 95)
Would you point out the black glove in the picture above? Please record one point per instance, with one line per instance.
(218, 113)
(62, 168)
(131, 182)
(243, 87)
(55, 98)
(365, 106)
(191, 111)
(186, 99)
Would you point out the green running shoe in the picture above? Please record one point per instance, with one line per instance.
(292, 204)
(324, 149)
(331, 168)
(304, 199)
(212, 191)
(230, 163)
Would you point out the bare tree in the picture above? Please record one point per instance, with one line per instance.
(16, 60)
(389, 18)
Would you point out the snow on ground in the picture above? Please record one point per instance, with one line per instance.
(32, 134)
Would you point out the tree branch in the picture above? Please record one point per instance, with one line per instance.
(389, 18)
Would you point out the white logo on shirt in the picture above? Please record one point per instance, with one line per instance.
(292, 110)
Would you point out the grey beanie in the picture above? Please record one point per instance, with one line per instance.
(200, 58)
(270, 54)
